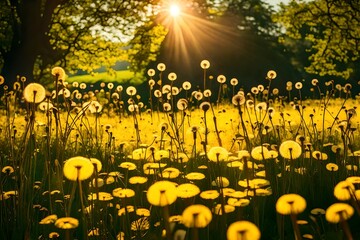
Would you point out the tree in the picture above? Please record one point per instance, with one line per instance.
(329, 30)
(35, 35)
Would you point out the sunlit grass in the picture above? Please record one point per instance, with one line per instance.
(116, 77)
(102, 164)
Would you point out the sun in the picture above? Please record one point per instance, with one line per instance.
(174, 10)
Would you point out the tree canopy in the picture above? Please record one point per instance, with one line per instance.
(327, 31)
(79, 34)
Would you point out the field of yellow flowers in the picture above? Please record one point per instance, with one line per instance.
(82, 163)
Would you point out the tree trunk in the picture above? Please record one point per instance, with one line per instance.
(19, 61)
(30, 26)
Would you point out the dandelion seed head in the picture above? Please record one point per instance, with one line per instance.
(290, 149)
(290, 204)
(204, 64)
(67, 223)
(196, 216)
(151, 72)
(339, 212)
(58, 72)
(243, 230)
(186, 85)
(161, 67)
(34, 93)
(78, 168)
(162, 193)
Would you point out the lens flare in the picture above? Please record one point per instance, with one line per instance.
(174, 10)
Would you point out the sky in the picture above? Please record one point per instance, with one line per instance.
(275, 3)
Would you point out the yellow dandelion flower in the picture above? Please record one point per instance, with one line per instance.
(141, 224)
(219, 211)
(332, 167)
(161, 154)
(308, 236)
(182, 157)
(143, 212)
(120, 236)
(237, 194)
(344, 190)
(103, 196)
(216, 154)
(243, 230)
(170, 173)
(234, 164)
(137, 180)
(290, 149)
(273, 154)
(78, 168)
(196, 216)
(243, 153)
(317, 211)
(128, 165)
(254, 183)
(209, 194)
(187, 190)
(2, 80)
(260, 153)
(123, 192)
(221, 182)
(100, 182)
(4, 196)
(238, 202)
(153, 165)
(53, 192)
(353, 179)
(49, 219)
(302, 222)
(290, 204)
(351, 167)
(176, 219)
(67, 223)
(339, 212)
(94, 232)
(139, 154)
(162, 193)
(194, 176)
(202, 167)
(12, 193)
(261, 174)
(34, 93)
(109, 180)
(250, 165)
(54, 235)
(263, 192)
(227, 191)
(319, 155)
(7, 170)
(97, 163)
(127, 209)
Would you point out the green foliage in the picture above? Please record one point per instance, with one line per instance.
(329, 31)
(145, 46)
(78, 35)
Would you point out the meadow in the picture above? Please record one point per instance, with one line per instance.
(84, 163)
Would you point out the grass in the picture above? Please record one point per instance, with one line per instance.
(118, 77)
(101, 164)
